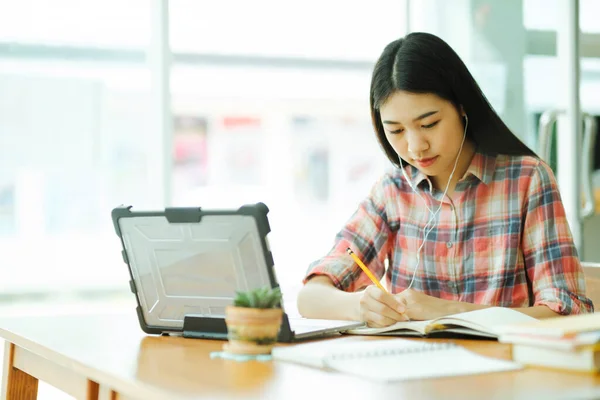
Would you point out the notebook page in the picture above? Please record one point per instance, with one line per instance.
(416, 326)
(424, 364)
(315, 353)
(486, 320)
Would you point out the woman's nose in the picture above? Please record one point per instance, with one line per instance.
(416, 144)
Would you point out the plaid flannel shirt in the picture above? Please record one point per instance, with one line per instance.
(502, 239)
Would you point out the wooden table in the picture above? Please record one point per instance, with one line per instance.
(109, 357)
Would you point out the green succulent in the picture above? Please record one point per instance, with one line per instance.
(264, 297)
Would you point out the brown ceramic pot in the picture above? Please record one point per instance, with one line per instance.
(252, 330)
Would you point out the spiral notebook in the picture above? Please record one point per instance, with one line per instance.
(393, 359)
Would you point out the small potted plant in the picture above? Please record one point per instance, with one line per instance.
(253, 321)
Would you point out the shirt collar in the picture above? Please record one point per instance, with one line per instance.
(482, 167)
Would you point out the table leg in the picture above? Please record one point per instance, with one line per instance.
(107, 393)
(92, 390)
(16, 384)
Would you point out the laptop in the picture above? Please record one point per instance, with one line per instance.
(185, 265)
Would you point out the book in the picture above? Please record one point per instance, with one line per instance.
(582, 341)
(480, 323)
(392, 359)
(583, 360)
(569, 342)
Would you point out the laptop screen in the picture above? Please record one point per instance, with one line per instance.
(183, 268)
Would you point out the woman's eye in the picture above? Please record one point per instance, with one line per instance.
(396, 131)
(430, 125)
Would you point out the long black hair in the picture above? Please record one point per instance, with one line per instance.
(424, 63)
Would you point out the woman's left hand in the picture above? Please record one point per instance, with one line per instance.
(420, 306)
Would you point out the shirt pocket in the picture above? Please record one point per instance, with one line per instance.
(491, 252)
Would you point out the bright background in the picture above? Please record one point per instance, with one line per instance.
(269, 102)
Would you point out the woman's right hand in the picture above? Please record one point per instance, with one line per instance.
(379, 308)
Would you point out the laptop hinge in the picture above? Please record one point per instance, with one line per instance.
(201, 327)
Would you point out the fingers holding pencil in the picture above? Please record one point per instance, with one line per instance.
(377, 306)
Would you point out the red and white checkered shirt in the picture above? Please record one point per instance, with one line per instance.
(502, 239)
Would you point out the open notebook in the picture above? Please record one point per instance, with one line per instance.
(481, 323)
(392, 359)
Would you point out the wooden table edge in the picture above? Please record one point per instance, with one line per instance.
(96, 381)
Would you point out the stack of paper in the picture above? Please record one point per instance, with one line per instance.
(571, 342)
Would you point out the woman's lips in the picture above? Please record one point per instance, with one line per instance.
(426, 162)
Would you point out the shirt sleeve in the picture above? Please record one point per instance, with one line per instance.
(368, 234)
(551, 260)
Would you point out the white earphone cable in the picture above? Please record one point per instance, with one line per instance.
(426, 228)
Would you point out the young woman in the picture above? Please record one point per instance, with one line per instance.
(470, 217)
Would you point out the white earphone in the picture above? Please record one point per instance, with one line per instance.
(427, 229)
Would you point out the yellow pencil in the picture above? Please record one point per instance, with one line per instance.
(365, 269)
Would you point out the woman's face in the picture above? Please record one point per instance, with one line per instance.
(425, 131)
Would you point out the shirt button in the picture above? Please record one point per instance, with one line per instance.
(449, 244)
